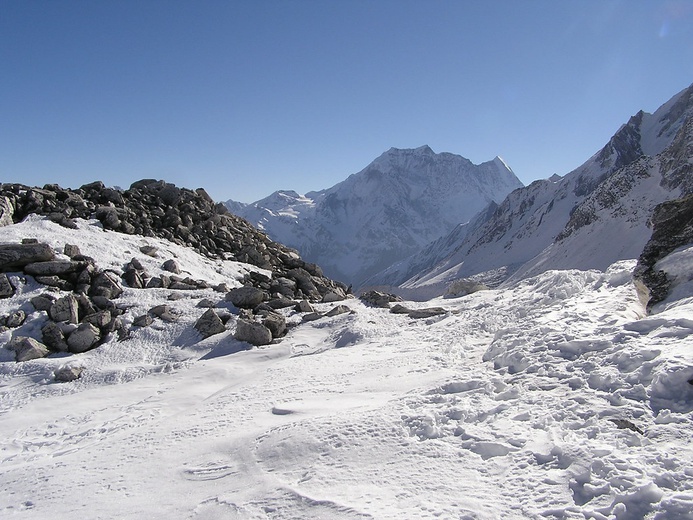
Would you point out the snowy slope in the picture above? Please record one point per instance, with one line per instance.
(589, 218)
(400, 202)
(551, 398)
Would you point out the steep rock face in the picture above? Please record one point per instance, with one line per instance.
(672, 227)
(589, 218)
(391, 209)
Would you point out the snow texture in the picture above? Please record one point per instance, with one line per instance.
(551, 398)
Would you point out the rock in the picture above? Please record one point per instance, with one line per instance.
(67, 373)
(65, 309)
(281, 303)
(180, 285)
(144, 320)
(335, 295)
(84, 338)
(379, 299)
(209, 324)
(426, 313)
(6, 212)
(26, 349)
(312, 316)
(400, 309)
(55, 281)
(108, 216)
(206, 303)
(149, 251)
(156, 283)
(276, 323)
(163, 312)
(252, 332)
(246, 297)
(222, 288)
(13, 256)
(15, 319)
(53, 337)
(133, 279)
(100, 319)
(284, 286)
(106, 284)
(171, 266)
(43, 302)
(6, 288)
(304, 306)
(53, 268)
(71, 251)
(336, 311)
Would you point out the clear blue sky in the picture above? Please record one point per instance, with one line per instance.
(247, 97)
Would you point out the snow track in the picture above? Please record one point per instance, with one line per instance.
(551, 399)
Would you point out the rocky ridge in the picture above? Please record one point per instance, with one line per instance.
(81, 298)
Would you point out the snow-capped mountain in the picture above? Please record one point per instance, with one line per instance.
(587, 219)
(392, 208)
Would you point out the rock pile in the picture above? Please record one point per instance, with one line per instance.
(185, 217)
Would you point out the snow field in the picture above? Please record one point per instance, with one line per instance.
(554, 398)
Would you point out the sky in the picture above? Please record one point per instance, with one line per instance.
(244, 98)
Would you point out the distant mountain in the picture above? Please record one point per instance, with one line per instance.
(591, 217)
(391, 209)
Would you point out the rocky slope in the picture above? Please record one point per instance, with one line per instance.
(391, 209)
(588, 219)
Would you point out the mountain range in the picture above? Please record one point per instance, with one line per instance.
(391, 209)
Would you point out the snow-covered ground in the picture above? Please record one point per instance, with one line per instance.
(555, 398)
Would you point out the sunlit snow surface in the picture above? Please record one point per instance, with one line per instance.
(519, 403)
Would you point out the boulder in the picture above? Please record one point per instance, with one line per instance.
(276, 323)
(6, 212)
(28, 348)
(15, 319)
(334, 295)
(53, 267)
(53, 337)
(67, 373)
(145, 320)
(252, 332)
(149, 251)
(246, 297)
(209, 324)
(427, 313)
(14, 256)
(43, 302)
(163, 312)
(107, 284)
(379, 299)
(337, 310)
(400, 309)
(65, 309)
(71, 250)
(84, 338)
(304, 306)
(171, 266)
(6, 288)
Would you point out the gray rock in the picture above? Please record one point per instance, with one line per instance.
(28, 348)
(426, 313)
(71, 250)
(133, 279)
(143, 321)
(155, 283)
(6, 289)
(53, 267)
(312, 316)
(246, 297)
(6, 212)
(171, 266)
(18, 255)
(149, 251)
(221, 288)
(339, 309)
(276, 323)
(182, 286)
(15, 319)
(55, 281)
(65, 309)
(304, 306)
(43, 302)
(68, 373)
(252, 332)
(285, 287)
(106, 284)
(108, 217)
(163, 312)
(281, 303)
(53, 337)
(209, 324)
(335, 295)
(100, 319)
(379, 299)
(84, 338)
(400, 309)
